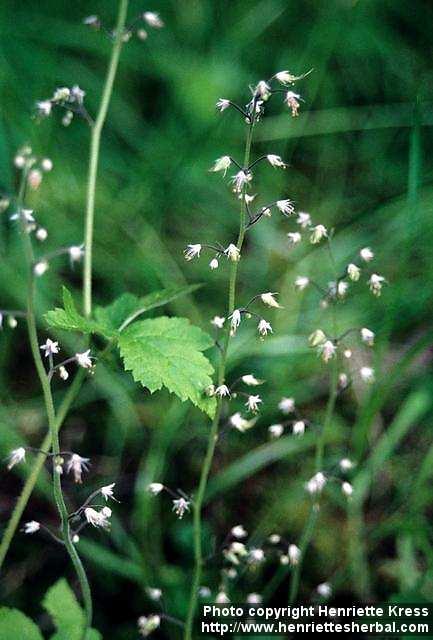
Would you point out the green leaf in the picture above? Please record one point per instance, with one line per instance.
(168, 352)
(128, 307)
(13, 621)
(68, 616)
(68, 318)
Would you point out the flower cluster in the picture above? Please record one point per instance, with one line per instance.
(136, 27)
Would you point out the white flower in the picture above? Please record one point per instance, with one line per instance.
(222, 104)
(192, 251)
(367, 374)
(292, 100)
(98, 518)
(204, 592)
(222, 164)
(256, 556)
(376, 283)
(235, 319)
(222, 598)
(324, 589)
(266, 211)
(285, 206)
(327, 350)
(276, 430)
(253, 403)
(303, 219)
(40, 268)
(12, 322)
(298, 428)
(16, 456)
(31, 527)
(214, 264)
(50, 348)
(264, 327)
(269, 300)
(210, 390)
(34, 179)
(154, 593)
(77, 464)
(146, 625)
(346, 464)
(240, 180)
(233, 253)
(353, 272)
(318, 232)
(316, 338)
(63, 373)
(41, 234)
(180, 506)
(251, 380)
(284, 560)
(47, 164)
(294, 554)
(77, 94)
(83, 359)
(286, 405)
(92, 21)
(366, 254)
(239, 531)
(316, 483)
(254, 598)
(285, 77)
(294, 238)
(222, 391)
(276, 161)
(61, 94)
(153, 20)
(263, 89)
(218, 322)
(142, 34)
(240, 423)
(347, 489)
(44, 108)
(367, 336)
(76, 253)
(301, 283)
(274, 538)
(155, 487)
(347, 353)
(107, 491)
(343, 380)
(25, 214)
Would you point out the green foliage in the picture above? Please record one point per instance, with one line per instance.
(67, 615)
(160, 352)
(168, 352)
(13, 621)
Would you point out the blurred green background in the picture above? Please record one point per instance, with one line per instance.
(359, 161)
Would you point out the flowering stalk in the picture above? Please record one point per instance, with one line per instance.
(94, 155)
(213, 434)
(51, 414)
(96, 126)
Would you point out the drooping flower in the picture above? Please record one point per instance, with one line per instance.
(31, 527)
(276, 430)
(235, 319)
(40, 268)
(301, 283)
(367, 336)
(269, 300)
(98, 518)
(241, 179)
(253, 403)
(376, 282)
(327, 350)
(222, 391)
(16, 456)
(218, 322)
(303, 219)
(316, 483)
(233, 253)
(353, 272)
(263, 89)
(298, 428)
(292, 100)
(50, 348)
(324, 589)
(77, 465)
(276, 161)
(264, 327)
(76, 253)
(294, 554)
(240, 423)
(316, 338)
(180, 507)
(318, 232)
(256, 556)
(222, 164)
(214, 264)
(239, 531)
(366, 254)
(192, 251)
(63, 373)
(155, 487)
(222, 104)
(286, 405)
(347, 489)
(251, 380)
(83, 359)
(154, 593)
(153, 20)
(285, 206)
(148, 624)
(367, 374)
(346, 464)
(294, 238)
(107, 491)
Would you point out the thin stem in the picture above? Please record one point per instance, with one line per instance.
(94, 155)
(39, 462)
(320, 449)
(213, 434)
